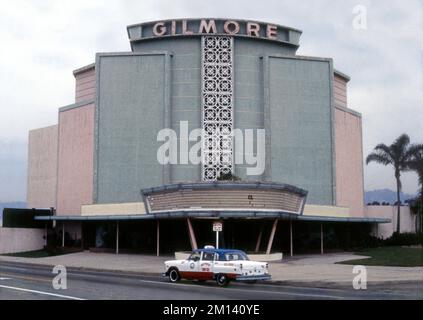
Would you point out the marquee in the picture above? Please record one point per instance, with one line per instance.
(199, 27)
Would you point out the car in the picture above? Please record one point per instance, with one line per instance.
(220, 265)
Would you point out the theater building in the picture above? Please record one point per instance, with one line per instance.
(99, 166)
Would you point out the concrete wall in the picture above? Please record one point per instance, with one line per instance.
(75, 166)
(299, 126)
(85, 84)
(387, 229)
(349, 161)
(133, 208)
(249, 89)
(42, 167)
(185, 100)
(185, 93)
(132, 108)
(326, 211)
(340, 91)
(21, 240)
(159, 85)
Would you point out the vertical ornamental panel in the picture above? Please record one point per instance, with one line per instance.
(217, 74)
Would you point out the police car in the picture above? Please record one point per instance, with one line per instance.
(220, 265)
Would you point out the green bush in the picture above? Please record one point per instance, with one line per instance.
(404, 239)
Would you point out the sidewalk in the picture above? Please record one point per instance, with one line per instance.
(323, 269)
(100, 261)
(301, 269)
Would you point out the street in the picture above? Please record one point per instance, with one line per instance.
(29, 282)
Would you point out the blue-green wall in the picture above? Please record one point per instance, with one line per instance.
(185, 88)
(130, 112)
(249, 100)
(138, 95)
(300, 112)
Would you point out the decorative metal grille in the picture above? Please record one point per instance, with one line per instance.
(217, 65)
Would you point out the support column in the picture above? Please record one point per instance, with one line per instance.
(158, 238)
(291, 238)
(117, 237)
(321, 238)
(46, 234)
(259, 239)
(63, 234)
(82, 235)
(192, 235)
(272, 237)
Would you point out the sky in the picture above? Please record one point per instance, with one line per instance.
(42, 42)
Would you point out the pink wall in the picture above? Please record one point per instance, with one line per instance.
(85, 85)
(21, 240)
(349, 162)
(340, 91)
(75, 165)
(387, 229)
(42, 168)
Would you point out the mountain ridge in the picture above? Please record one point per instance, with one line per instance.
(386, 195)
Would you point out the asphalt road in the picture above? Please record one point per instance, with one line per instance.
(28, 282)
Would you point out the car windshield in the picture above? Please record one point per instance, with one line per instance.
(235, 256)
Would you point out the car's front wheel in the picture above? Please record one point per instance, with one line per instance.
(174, 275)
(222, 280)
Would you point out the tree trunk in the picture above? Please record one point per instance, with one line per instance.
(421, 213)
(398, 206)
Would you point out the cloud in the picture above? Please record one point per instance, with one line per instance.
(43, 41)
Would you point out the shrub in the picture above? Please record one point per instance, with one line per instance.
(404, 239)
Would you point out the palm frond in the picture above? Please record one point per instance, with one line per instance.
(415, 151)
(415, 161)
(379, 157)
(399, 147)
(402, 141)
(383, 148)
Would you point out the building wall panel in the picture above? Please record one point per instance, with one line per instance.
(185, 90)
(75, 169)
(42, 167)
(130, 114)
(349, 162)
(21, 240)
(340, 91)
(248, 81)
(300, 151)
(85, 85)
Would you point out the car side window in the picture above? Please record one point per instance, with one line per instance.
(221, 257)
(207, 256)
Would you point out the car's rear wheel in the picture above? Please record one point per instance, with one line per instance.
(174, 275)
(222, 280)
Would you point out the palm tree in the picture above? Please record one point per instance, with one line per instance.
(398, 156)
(416, 164)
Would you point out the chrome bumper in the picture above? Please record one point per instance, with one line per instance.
(254, 278)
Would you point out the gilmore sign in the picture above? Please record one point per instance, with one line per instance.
(200, 27)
